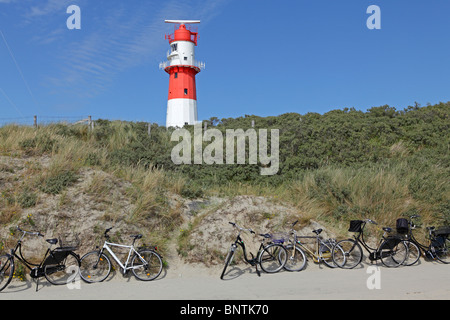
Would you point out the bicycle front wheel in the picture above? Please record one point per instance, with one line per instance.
(146, 265)
(347, 254)
(95, 267)
(273, 258)
(63, 272)
(296, 258)
(413, 253)
(6, 270)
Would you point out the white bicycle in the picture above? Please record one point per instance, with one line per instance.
(145, 263)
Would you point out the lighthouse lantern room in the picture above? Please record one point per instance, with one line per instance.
(182, 69)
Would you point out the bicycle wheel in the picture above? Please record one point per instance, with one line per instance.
(393, 252)
(326, 254)
(6, 270)
(442, 251)
(413, 254)
(347, 254)
(228, 259)
(296, 258)
(63, 272)
(146, 265)
(95, 267)
(272, 258)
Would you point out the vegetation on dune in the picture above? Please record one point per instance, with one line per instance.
(342, 165)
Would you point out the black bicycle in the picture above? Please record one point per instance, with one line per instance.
(391, 250)
(271, 256)
(59, 266)
(438, 247)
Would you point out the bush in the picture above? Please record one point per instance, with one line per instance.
(55, 184)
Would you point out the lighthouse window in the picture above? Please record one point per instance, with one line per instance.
(185, 58)
(174, 47)
(185, 92)
(176, 75)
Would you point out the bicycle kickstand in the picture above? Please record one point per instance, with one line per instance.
(257, 271)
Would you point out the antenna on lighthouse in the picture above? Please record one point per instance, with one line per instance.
(182, 21)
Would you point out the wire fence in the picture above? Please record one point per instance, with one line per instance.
(37, 121)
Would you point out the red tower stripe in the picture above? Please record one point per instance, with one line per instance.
(182, 82)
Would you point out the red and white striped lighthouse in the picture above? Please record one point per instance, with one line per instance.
(182, 69)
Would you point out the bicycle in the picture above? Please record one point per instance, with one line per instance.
(59, 266)
(391, 250)
(297, 250)
(145, 263)
(271, 256)
(438, 247)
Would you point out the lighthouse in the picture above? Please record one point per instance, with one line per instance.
(182, 69)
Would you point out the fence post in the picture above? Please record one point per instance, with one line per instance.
(35, 122)
(149, 129)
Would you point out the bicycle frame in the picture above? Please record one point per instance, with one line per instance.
(313, 254)
(124, 266)
(37, 268)
(374, 253)
(254, 260)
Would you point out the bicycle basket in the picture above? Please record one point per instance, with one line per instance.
(444, 232)
(355, 226)
(279, 237)
(402, 226)
(68, 242)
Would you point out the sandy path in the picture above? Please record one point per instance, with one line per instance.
(429, 280)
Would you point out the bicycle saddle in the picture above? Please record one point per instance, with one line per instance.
(431, 228)
(387, 229)
(318, 231)
(52, 241)
(138, 236)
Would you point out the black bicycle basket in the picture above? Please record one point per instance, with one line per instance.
(443, 232)
(355, 226)
(402, 226)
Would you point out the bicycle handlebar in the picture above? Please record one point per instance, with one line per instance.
(30, 232)
(240, 228)
(106, 232)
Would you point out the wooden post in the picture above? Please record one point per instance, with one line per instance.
(149, 130)
(253, 123)
(35, 122)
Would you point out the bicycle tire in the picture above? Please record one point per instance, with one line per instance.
(228, 259)
(392, 253)
(296, 259)
(6, 270)
(148, 270)
(272, 258)
(442, 251)
(59, 274)
(326, 254)
(95, 267)
(348, 255)
(413, 255)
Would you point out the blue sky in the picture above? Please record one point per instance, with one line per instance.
(262, 57)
